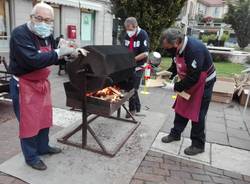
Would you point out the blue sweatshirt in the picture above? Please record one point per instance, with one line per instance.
(198, 59)
(25, 56)
(141, 44)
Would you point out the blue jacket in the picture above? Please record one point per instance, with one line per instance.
(24, 51)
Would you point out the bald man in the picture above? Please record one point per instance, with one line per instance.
(32, 51)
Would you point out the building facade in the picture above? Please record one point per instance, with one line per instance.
(201, 15)
(212, 8)
(91, 18)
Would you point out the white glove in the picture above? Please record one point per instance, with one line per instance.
(82, 51)
(169, 86)
(64, 51)
(79, 51)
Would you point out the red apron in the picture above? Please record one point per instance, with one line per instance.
(189, 109)
(35, 101)
(131, 42)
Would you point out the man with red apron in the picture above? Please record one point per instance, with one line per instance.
(32, 50)
(194, 66)
(136, 40)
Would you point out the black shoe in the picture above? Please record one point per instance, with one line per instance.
(54, 150)
(40, 165)
(170, 138)
(192, 150)
(128, 115)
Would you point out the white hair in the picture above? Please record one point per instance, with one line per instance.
(42, 5)
(130, 21)
(171, 35)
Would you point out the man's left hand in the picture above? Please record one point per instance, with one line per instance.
(169, 86)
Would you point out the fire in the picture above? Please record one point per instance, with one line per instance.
(111, 94)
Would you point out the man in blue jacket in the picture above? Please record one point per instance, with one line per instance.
(137, 41)
(194, 66)
(32, 51)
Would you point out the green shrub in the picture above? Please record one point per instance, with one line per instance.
(219, 58)
(212, 37)
(224, 37)
(204, 38)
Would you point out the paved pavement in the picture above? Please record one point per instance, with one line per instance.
(164, 169)
(223, 157)
(225, 126)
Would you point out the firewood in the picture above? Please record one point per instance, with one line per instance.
(116, 92)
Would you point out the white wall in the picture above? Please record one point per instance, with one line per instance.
(108, 27)
(22, 10)
(192, 8)
(103, 27)
(210, 11)
(201, 9)
(99, 27)
(102, 32)
(70, 16)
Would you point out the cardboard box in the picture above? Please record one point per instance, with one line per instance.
(223, 90)
(243, 97)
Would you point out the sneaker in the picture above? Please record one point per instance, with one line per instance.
(192, 150)
(39, 165)
(170, 138)
(54, 150)
(128, 115)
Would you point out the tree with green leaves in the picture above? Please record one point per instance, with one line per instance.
(152, 15)
(238, 17)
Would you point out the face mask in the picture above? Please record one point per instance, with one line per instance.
(42, 29)
(171, 51)
(131, 33)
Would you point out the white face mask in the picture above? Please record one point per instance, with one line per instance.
(131, 33)
(42, 29)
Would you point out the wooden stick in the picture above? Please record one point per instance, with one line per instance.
(116, 92)
(164, 72)
(184, 95)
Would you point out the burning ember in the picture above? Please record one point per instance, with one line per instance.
(111, 94)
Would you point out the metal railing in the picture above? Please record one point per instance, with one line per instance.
(4, 37)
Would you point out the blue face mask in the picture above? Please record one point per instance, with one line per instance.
(42, 29)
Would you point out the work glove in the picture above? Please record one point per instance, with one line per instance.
(75, 54)
(79, 51)
(65, 51)
(169, 86)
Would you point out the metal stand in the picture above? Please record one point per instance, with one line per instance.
(4, 81)
(246, 104)
(84, 128)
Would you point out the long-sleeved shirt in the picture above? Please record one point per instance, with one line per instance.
(141, 44)
(25, 55)
(197, 59)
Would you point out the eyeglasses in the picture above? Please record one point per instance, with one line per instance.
(41, 19)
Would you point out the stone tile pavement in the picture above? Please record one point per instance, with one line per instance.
(225, 126)
(165, 169)
(219, 156)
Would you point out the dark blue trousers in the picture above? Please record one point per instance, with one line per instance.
(134, 101)
(197, 136)
(32, 147)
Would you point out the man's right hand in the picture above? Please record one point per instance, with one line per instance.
(65, 51)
